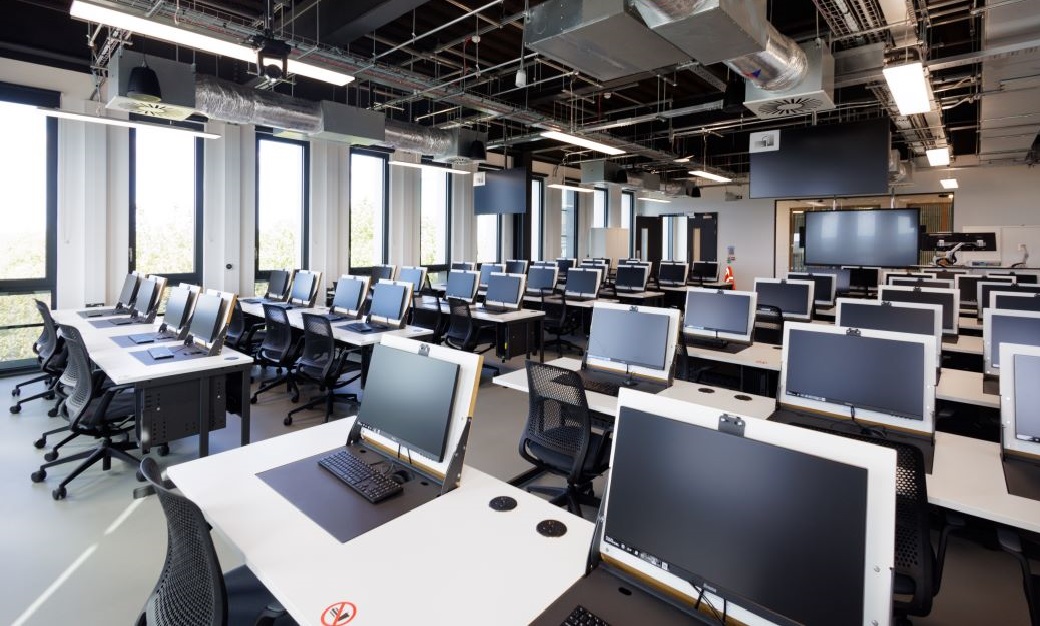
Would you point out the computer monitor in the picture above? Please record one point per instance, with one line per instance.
(1014, 301)
(946, 298)
(704, 271)
(516, 266)
(889, 276)
(179, 307)
(382, 272)
(946, 273)
(147, 296)
(720, 314)
(625, 337)
(987, 288)
(1006, 326)
(564, 265)
(865, 278)
(774, 525)
(303, 287)
(207, 321)
(671, 274)
(466, 266)
(1020, 399)
(390, 301)
(871, 375)
(505, 290)
(842, 277)
(630, 278)
(825, 289)
(583, 282)
(794, 298)
(462, 284)
(896, 317)
(278, 284)
(419, 417)
(1020, 277)
(350, 294)
(415, 275)
(129, 290)
(541, 277)
(914, 281)
(967, 286)
(486, 269)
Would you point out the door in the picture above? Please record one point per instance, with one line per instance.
(702, 237)
(648, 238)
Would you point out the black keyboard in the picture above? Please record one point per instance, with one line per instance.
(581, 616)
(363, 327)
(598, 386)
(360, 476)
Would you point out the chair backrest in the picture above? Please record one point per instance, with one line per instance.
(49, 343)
(460, 327)
(319, 346)
(769, 324)
(80, 372)
(558, 416)
(278, 337)
(431, 319)
(237, 326)
(190, 590)
(555, 308)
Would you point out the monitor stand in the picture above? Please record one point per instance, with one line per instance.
(718, 345)
(1022, 476)
(990, 385)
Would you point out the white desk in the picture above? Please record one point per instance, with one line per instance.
(969, 323)
(451, 561)
(295, 316)
(512, 328)
(722, 399)
(964, 387)
(966, 344)
(765, 356)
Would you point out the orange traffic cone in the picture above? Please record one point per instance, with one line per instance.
(728, 277)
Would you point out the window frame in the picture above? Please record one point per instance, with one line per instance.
(630, 197)
(449, 190)
(385, 238)
(572, 236)
(598, 192)
(261, 275)
(540, 199)
(498, 236)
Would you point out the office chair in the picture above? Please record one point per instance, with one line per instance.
(241, 335)
(559, 320)
(277, 350)
(1011, 542)
(431, 319)
(322, 364)
(558, 436)
(191, 588)
(51, 356)
(95, 410)
(769, 324)
(685, 366)
(465, 334)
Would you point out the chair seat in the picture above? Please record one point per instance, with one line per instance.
(122, 405)
(903, 585)
(563, 462)
(247, 598)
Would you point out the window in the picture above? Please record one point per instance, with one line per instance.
(536, 218)
(28, 202)
(489, 230)
(433, 218)
(569, 224)
(628, 215)
(368, 209)
(599, 208)
(281, 205)
(166, 204)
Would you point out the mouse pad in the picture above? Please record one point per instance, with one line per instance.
(338, 509)
(124, 341)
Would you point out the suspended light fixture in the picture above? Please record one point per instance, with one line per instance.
(143, 84)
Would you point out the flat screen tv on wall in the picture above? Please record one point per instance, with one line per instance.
(503, 191)
(874, 238)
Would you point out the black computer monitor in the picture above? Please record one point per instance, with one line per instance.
(629, 337)
(462, 284)
(129, 290)
(1020, 278)
(505, 290)
(1021, 327)
(541, 277)
(865, 278)
(898, 317)
(946, 298)
(776, 530)
(1021, 413)
(486, 270)
(967, 285)
(915, 281)
(146, 296)
(825, 287)
(986, 288)
(672, 274)
(178, 307)
(1014, 301)
(418, 418)
(382, 272)
(350, 294)
(413, 275)
(794, 298)
(720, 314)
(704, 271)
(464, 265)
(278, 283)
(303, 286)
(516, 267)
(583, 282)
(946, 273)
(630, 278)
(208, 319)
(388, 301)
(563, 265)
(889, 276)
(842, 277)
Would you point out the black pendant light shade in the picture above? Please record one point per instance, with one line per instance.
(144, 85)
(477, 151)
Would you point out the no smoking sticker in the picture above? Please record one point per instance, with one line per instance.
(338, 614)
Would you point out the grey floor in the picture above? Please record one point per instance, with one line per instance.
(93, 558)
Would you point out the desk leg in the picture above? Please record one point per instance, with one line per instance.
(204, 402)
(244, 411)
(366, 357)
(541, 339)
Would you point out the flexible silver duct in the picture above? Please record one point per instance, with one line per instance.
(781, 66)
(416, 138)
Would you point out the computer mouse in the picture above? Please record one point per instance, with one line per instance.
(400, 477)
(551, 528)
(502, 503)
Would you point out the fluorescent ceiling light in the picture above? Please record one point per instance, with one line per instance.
(571, 188)
(583, 142)
(938, 157)
(108, 121)
(656, 200)
(710, 176)
(685, 159)
(427, 166)
(948, 183)
(909, 87)
(156, 30)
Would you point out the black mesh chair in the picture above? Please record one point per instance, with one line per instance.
(558, 437)
(769, 324)
(278, 350)
(431, 319)
(1011, 542)
(192, 590)
(465, 334)
(51, 356)
(322, 364)
(560, 320)
(240, 334)
(96, 411)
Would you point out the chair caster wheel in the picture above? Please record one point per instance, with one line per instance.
(287, 421)
(39, 443)
(50, 456)
(139, 476)
(164, 449)
(59, 493)
(53, 412)
(295, 398)
(38, 476)
(16, 408)
(252, 400)
(15, 393)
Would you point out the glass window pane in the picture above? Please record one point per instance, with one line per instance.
(569, 210)
(367, 208)
(164, 202)
(536, 220)
(599, 208)
(280, 197)
(433, 217)
(487, 238)
(23, 195)
(627, 202)
(15, 310)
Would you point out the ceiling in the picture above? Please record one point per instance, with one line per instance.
(421, 62)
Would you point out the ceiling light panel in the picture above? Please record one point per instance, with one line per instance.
(909, 88)
(715, 177)
(938, 157)
(583, 142)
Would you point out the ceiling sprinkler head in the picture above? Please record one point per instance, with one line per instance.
(475, 38)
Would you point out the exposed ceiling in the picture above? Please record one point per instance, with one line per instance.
(420, 61)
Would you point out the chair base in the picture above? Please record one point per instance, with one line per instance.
(562, 343)
(286, 379)
(328, 400)
(107, 451)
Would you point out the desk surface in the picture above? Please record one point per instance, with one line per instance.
(964, 387)
(478, 314)
(969, 323)
(761, 355)
(966, 344)
(451, 561)
(340, 334)
(722, 399)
